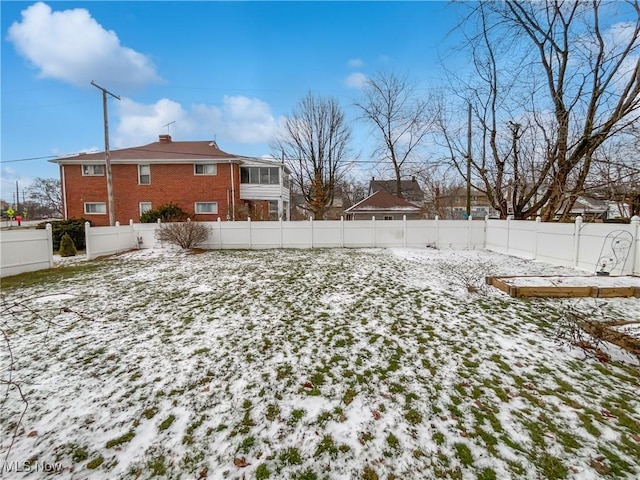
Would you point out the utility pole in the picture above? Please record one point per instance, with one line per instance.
(107, 159)
(17, 199)
(469, 163)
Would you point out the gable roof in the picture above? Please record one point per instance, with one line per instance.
(165, 149)
(382, 201)
(411, 187)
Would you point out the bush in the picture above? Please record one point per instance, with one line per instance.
(67, 248)
(166, 213)
(74, 227)
(185, 235)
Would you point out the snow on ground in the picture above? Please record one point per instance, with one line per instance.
(339, 364)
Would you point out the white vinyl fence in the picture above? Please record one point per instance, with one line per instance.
(460, 234)
(587, 246)
(25, 250)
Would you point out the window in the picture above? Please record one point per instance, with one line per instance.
(92, 170)
(206, 169)
(145, 207)
(260, 175)
(207, 208)
(144, 174)
(95, 208)
(388, 217)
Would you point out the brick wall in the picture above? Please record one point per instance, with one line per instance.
(169, 183)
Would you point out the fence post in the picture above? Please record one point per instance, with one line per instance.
(508, 232)
(635, 251)
(87, 240)
(469, 232)
(281, 241)
(250, 239)
(576, 240)
(341, 231)
(537, 239)
(50, 243)
(437, 232)
(373, 230)
(486, 228)
(219, 234)
(311, 230)
(404, 231)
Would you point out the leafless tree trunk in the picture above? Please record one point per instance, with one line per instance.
(314, 144)
(570, 81)
(391, 105)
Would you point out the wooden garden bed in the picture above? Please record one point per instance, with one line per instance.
(567, 287)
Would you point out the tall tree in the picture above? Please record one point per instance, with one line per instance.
(47, 193)
(399, 118)
(553, 81)
(314, 144)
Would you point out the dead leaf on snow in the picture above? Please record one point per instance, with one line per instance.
(376, 414)
(240, 462)
(599, 467)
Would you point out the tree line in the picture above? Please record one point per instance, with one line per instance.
(554, 93)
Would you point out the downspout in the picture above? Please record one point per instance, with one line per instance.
(64, 193)
(233, 194)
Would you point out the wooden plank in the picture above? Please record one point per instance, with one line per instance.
(611, 292)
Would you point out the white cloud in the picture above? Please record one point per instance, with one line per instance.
(238, 119)
(356, 80)
(355, 63)
(71, 46)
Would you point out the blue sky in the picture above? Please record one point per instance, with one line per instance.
(229, 70)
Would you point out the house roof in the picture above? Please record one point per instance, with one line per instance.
(407, 186)
(165, 149)
(382, 201)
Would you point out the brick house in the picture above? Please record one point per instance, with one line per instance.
(196, 175)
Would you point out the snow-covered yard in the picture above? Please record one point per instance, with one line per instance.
(339, 364)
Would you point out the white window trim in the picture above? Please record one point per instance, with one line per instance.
(195, 208)
(144, 203)
(139, 174)
(92, 168)
(215, 169)
(95, 203)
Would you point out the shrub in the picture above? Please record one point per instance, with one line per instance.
(166, 213)
(74, 227)
(67, 247)
(185, 235)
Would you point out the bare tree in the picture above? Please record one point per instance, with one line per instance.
(47, 193)
(569, 82)
(398, 116)
(314, 144)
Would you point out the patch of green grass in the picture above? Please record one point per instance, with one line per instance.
(126, 438)
(290, 456)
(348, 396)
(369, 473)
(551, 467)
(463, 452)
(52, 275)
(413, 417)
(296, 416)
(272, 412)
(246, 444)
(149, 413)
(157, 466)
(262, 472)
(166, 423)
(487, 474)
(95, 463)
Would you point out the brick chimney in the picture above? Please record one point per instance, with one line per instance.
(165, 138)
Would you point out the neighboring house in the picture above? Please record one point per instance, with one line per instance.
(452, 204)
(383, 206)
(588, 208)
(411, 190)
(197, 176)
